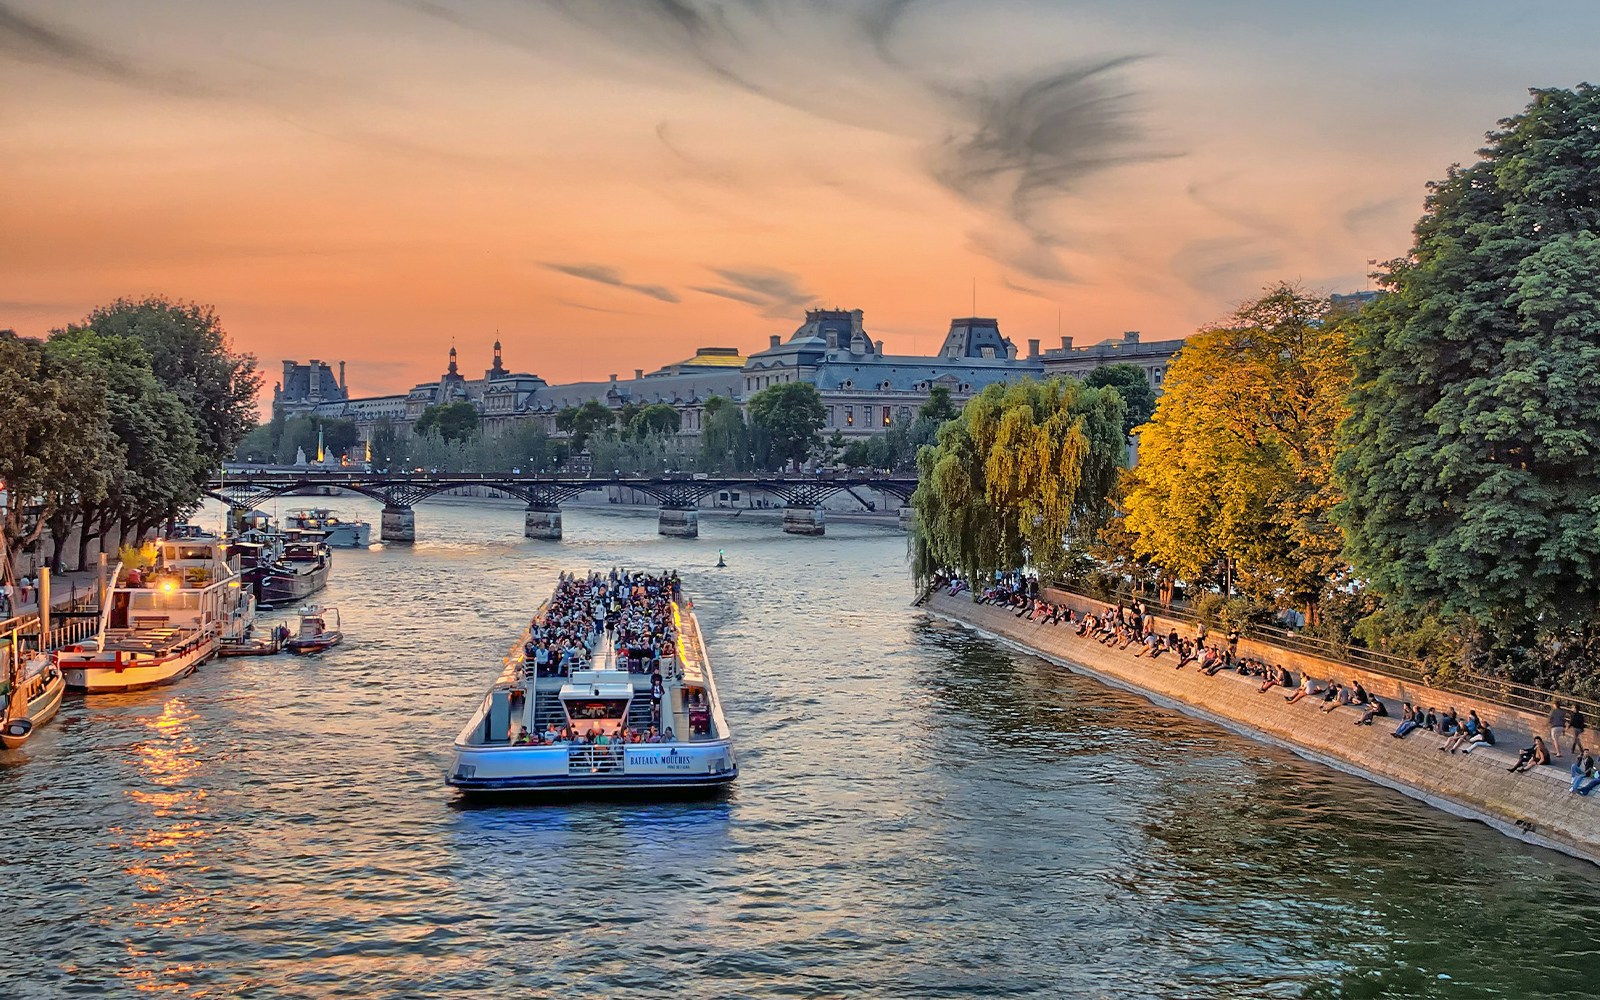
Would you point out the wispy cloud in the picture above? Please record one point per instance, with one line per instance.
(1014, 146)
(603, 275)
(40, 42)
(776, 294)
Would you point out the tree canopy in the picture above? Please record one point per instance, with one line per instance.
(1471, 462)
(583, 422)
(790, 416)
(453, 421)
(1023, 468)
(1236, 463)
(1133, 385)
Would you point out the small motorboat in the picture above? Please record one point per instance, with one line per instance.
(319, 630)
(261, 645)
(35, 688)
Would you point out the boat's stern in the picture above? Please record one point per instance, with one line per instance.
(593, 767)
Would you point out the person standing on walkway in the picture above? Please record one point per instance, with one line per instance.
(1558, 727)
(1576, 724)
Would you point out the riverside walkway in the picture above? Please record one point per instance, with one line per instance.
(1536, 806)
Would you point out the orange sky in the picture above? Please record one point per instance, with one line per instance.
(609, 186)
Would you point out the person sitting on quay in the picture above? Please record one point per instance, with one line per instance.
(1307, 688)
(1410, 718)
(1212, 661)
(1463, 735)
(1583, 770)
(1531, 756)
(1375, 710)
(1484, 737)
(1277, 677)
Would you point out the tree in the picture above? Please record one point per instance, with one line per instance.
(654, 420)
(938, 406)
(1026, 466)
(1133, 385)
(725, 438)
(52, 441)
(1234, 479)
(155, 458)
(1471, 462)
(260, 444)
(454, 421)
(791, 416)
(388, 445)
(582, 422)
(190, 355)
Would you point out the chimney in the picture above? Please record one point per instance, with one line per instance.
(855, 321)
(1066, 343)
(776, 340)
(1033, 347)
(613, 378)
(342, 386)
(879, 346)
(1130, 337)
(638, 373)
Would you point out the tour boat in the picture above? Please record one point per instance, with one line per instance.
(600, 702)
(157, 627)
(318, 631)
(35, 689)
(301, 571)
(337, 532)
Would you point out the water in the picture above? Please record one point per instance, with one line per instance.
(920, 814)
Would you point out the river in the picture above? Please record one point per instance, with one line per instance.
(920, 813)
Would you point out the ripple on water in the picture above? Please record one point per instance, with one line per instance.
(920, 814)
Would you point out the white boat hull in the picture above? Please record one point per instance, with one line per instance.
(634, 767)
(354, 535)
(104, 674)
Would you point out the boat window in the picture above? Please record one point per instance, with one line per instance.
(193, 552)
(588, 709)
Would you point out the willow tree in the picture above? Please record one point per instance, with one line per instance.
(1235, 468)
(1025, 467)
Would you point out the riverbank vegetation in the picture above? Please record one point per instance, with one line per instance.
(115, 423)
(1420, 476)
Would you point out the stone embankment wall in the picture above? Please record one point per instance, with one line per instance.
(1535, 806)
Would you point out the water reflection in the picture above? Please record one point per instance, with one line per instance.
(918, 814)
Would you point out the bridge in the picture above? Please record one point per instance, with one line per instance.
(678, 494)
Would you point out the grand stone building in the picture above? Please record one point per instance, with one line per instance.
(864, 389)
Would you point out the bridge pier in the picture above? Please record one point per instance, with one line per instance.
(679, 522)
(542, 521)
(399, 525)
(804, 519)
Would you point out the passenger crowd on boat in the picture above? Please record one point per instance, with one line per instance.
(636, 607)
(1134, 628)
(567, 735)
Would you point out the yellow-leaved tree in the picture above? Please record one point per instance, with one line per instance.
(1234, 479)
(1024, 467)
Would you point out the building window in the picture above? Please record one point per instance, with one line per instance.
(849, 416)
(905, 414)
(886, 420)
(1156, 374)
(866, 415)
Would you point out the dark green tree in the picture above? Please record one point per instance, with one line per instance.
(1133, 385)
(654, 420)
(454, 421)
(790, 415)
(190, 355)
(938, 406)
(54, 439)
(388, 446)
(725, 438)
(1471, 461)
(580, 423)
(155, 458)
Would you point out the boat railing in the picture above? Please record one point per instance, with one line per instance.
(588, 758)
